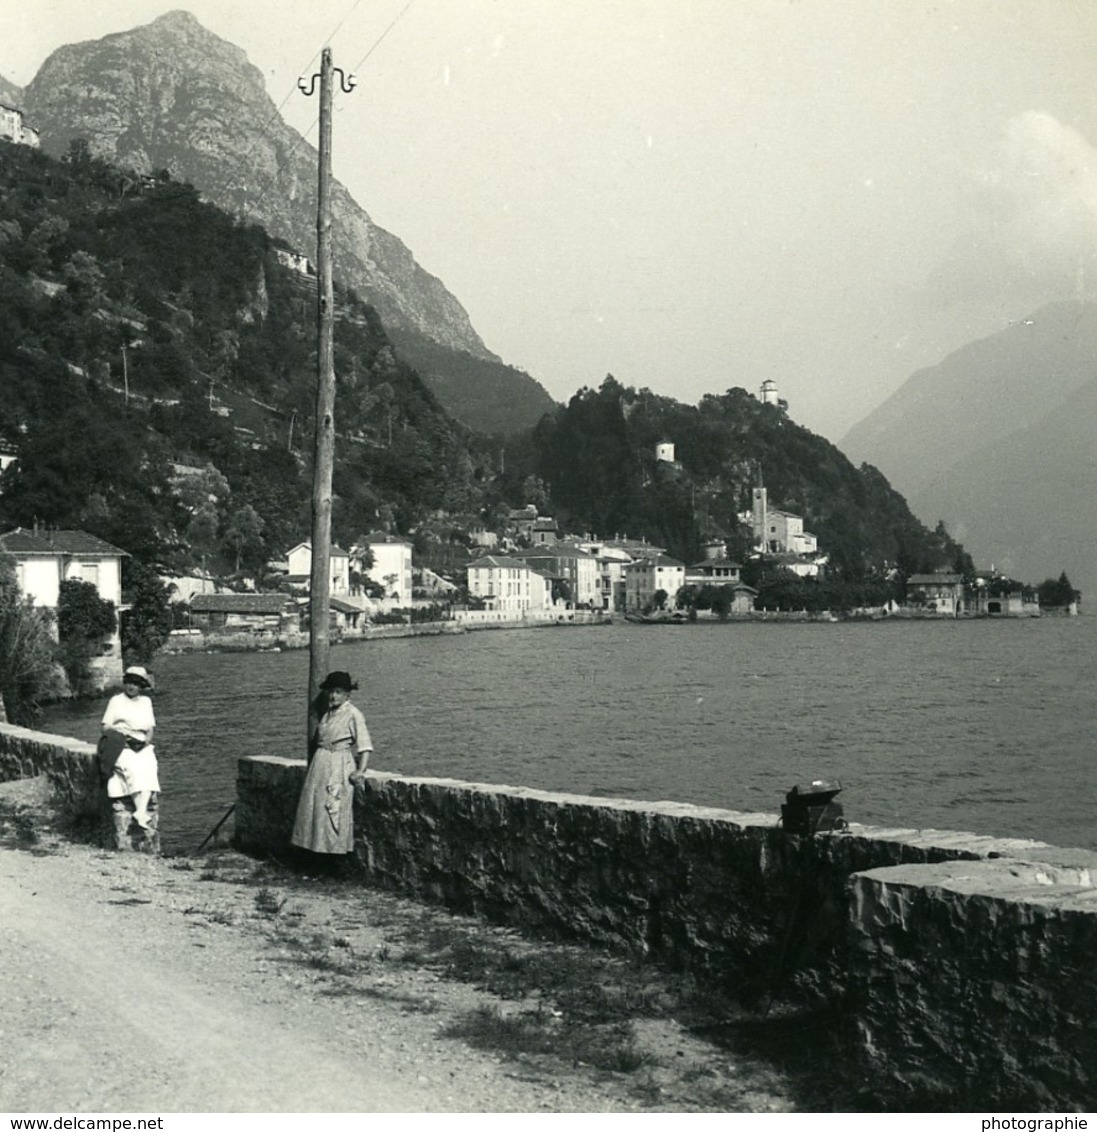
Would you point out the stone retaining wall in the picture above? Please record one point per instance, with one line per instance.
(979, 982)
(69, 766)
(960, 955)
(965, 962)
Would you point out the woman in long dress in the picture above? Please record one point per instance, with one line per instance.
(325, 811)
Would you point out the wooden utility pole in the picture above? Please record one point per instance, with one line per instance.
(324, 445)
(324, 448)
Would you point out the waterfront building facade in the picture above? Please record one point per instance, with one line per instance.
(46, 558)
(575, 566)
(391, 569)
(645, 577)
(937, 593)
(249, 613)
(300, 566)
(508, 585)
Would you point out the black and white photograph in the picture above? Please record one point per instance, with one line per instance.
(548, 555)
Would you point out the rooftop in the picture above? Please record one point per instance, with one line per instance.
(23, 541)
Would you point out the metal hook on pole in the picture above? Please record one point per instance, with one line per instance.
(346, 82)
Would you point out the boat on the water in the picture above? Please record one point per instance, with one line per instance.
(660, 617)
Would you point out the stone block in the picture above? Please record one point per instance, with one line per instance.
(975, 982)
(71, 768)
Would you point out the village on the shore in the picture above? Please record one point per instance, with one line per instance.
(518, 569)
(527, 573)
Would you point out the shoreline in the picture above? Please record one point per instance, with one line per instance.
(248, 641)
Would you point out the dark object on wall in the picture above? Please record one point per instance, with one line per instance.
(812, 809)
(111, 744)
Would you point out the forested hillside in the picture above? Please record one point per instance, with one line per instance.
(142, 329)
(597, 458)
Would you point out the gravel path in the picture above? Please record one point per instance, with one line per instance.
(138, 984)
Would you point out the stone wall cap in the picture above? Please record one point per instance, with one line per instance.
(977, 846)
(44, 737)
(971, 846)
(674, 809)
(1025, 882)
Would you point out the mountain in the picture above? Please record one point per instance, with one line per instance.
(1028, 503)
(999, 440)
(171, 95)
(10, 94)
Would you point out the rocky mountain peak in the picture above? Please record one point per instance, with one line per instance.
(173, 95)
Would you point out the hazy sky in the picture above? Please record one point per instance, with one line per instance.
(696, 195)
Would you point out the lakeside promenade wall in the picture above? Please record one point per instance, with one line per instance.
(963, 964)
(69, 767)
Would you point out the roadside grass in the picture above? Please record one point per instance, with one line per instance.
(553, 1007)
(611, 1046)
(269, 902)
(24, 826)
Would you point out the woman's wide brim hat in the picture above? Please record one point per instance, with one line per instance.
(135, 674)
(338, 682)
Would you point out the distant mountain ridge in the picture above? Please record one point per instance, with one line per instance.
(1027, 502)
(173, 95)
(10, 94)
(1000, 441)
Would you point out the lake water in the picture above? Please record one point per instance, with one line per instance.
(985, 726)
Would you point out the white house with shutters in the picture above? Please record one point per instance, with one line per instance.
(44, 559)
(645, 577)
(391, 569)
(508, 585)
(300, 566)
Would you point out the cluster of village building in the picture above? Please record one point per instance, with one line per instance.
(544, 568)
(529, 568)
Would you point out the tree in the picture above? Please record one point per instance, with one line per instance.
(202, 530)
(27, 650)
(148, 621)
(243, 535)
(1057, 591)
(561, 590)
(207, 486)
(84, 620)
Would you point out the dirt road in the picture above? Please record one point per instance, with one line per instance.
(147, 985)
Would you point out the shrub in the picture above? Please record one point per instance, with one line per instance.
(84, 620)
(27, 650)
